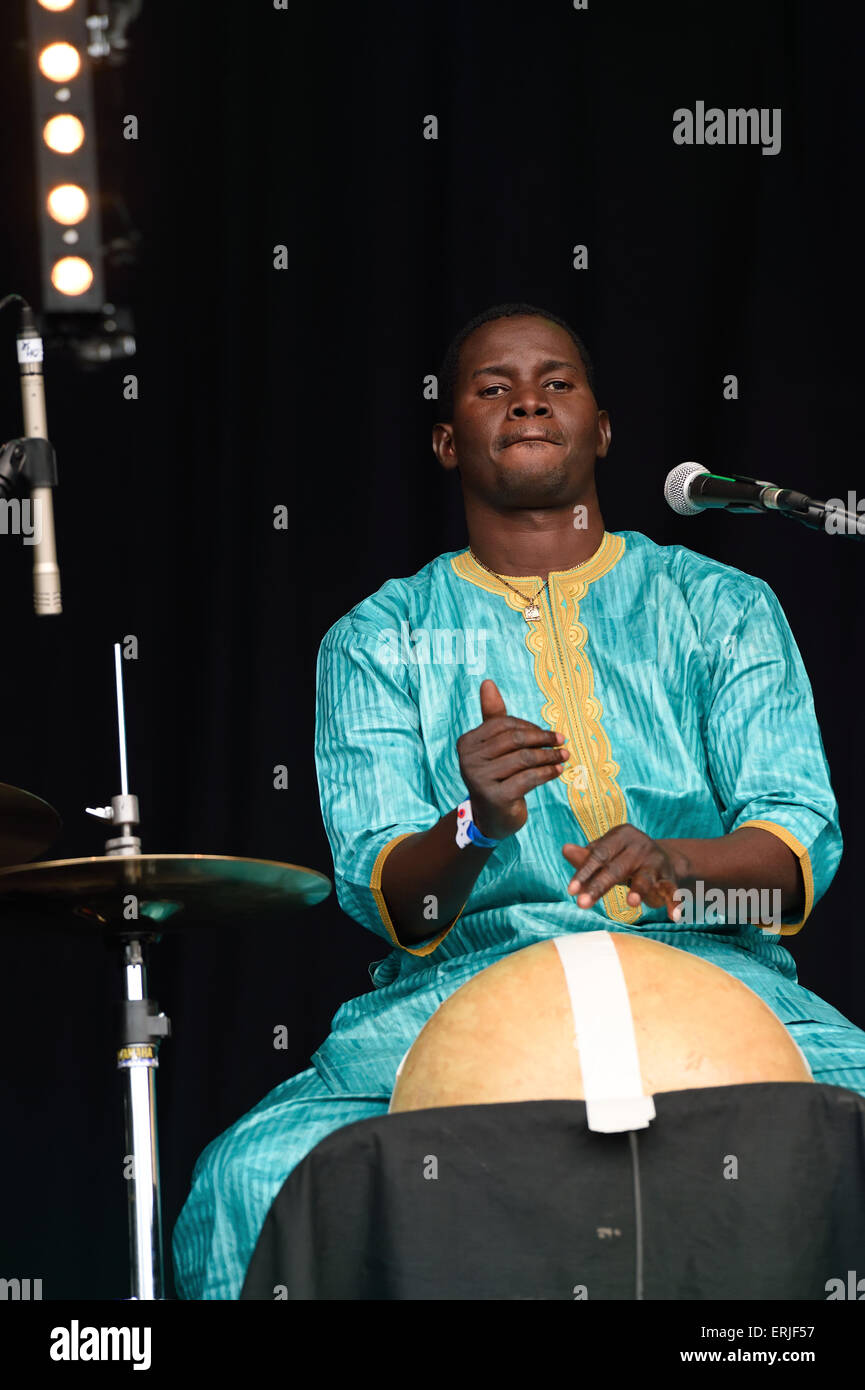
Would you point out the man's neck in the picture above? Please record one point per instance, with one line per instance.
(527, 544)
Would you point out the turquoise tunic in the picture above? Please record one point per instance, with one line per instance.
(689, 714)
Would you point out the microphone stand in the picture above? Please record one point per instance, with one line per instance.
(815, 514)
(796, 506)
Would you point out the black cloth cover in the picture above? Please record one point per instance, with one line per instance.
(745, 1192)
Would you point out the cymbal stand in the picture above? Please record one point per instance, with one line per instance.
(142, 1027)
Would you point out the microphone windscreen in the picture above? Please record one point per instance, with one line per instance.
(676, 488)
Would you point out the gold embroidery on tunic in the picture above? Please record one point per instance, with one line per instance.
(563, 671)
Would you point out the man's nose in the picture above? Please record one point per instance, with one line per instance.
(528, 405)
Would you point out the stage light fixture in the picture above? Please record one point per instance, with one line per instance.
(67, 203)
(72, 275)
(60, 62)
(63, 134)
(67, 172)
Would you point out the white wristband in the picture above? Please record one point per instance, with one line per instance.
(467, 831)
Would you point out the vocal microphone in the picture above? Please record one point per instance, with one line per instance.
(46, 574)
(691, 488)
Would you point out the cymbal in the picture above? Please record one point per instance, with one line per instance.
(167, 891)
(28, 825)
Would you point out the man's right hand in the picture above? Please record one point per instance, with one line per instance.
(503, 759)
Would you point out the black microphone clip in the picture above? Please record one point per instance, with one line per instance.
(31, 461)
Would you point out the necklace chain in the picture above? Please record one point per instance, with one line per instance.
(531, 612)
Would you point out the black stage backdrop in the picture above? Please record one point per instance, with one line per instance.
(303, 387)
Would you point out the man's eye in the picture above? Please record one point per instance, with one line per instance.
(498, 386)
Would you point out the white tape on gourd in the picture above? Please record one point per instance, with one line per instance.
(604, 1027)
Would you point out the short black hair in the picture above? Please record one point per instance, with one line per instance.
(451, 360)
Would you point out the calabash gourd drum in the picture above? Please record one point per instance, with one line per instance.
(508, 1033)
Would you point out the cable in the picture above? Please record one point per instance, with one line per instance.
(638, 1217)
(13, 299)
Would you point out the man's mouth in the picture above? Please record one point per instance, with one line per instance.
(533, 439)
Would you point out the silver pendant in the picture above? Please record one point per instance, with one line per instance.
(532, 613)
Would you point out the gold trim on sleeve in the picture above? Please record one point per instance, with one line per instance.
(801, 853)
(375, 884)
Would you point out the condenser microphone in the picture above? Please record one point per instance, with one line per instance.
(691, 488)
(46, 574)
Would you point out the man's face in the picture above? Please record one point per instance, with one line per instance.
(522, 377)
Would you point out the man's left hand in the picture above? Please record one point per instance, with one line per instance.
(626, 855)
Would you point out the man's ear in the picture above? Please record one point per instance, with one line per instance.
(444, 446)
(605, 434)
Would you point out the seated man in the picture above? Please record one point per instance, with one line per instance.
(652, 701)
